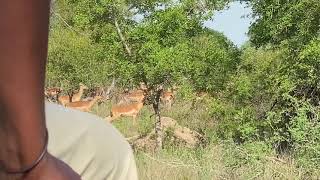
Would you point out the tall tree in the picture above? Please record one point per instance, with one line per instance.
(162, 47)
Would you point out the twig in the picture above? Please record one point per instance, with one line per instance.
(68, 25)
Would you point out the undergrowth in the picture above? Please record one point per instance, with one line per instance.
(220, 158)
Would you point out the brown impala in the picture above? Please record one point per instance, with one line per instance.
(76, 97)
(83, 105)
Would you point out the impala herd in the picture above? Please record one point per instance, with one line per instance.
(129, 103)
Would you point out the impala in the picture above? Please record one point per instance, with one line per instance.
(52, 93)
(75, 97)
(167, 97)
(120, 110)
(84, 105)
(137, 96)
(133, 96)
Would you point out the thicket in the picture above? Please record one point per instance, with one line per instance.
(274, 95)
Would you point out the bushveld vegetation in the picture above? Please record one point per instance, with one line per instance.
(260, 112)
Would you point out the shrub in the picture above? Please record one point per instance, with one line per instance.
(73, 59)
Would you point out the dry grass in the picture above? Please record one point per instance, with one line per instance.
(212, 165)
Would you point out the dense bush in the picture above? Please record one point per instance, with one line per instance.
(73, 59)
(213, 59)
(250, 94)
(261, 104)
(274, 95)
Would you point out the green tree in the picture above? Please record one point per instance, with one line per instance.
(162, 50)
(158, 50)
(214, 58)
(292, 23)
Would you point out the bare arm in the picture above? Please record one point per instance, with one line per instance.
(23, 53)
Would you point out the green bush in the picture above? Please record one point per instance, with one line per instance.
(73, 59)
(249, 96)
(305, 135)
(214, 59)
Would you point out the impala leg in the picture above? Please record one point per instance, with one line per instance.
(169, 104)
(134, 119)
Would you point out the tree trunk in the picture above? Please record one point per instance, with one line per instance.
(70, 94)
(123, 40)
(110, 88)
(158, 127)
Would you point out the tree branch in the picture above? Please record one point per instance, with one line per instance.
(123, 40)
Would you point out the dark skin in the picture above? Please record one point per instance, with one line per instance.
(23, 53)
